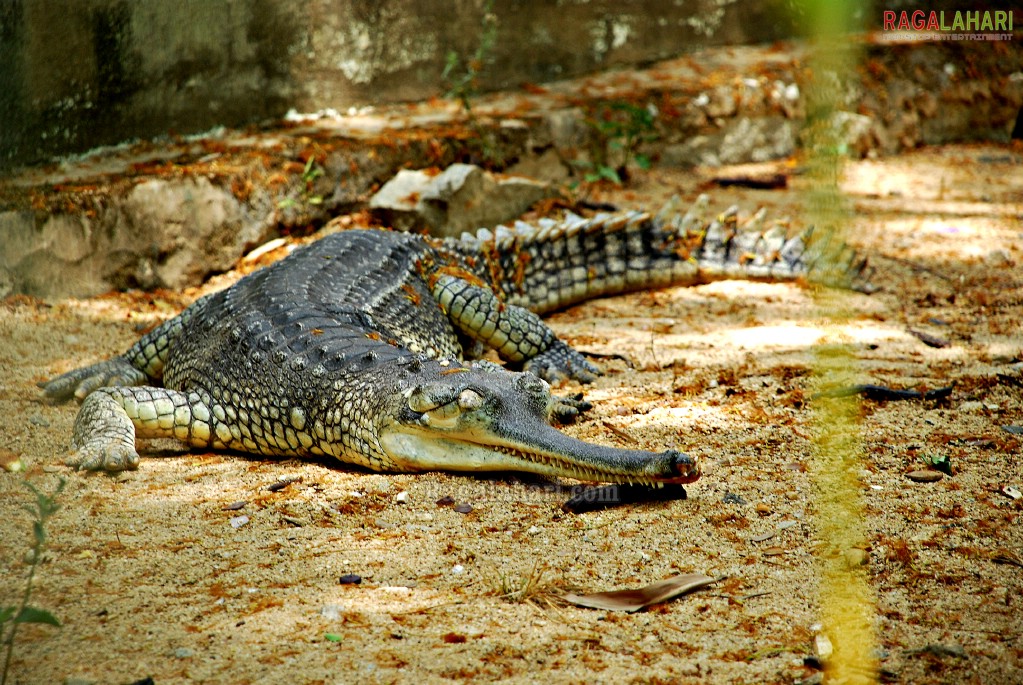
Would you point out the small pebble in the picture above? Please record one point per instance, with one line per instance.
(38, 420)
(350, 579)
(823, 647)
(1011, 491)
(401, 497)
(239, 521)
(855, 557)
(732, 498)
(184, 652)
(463, 508)
(458, 568)
(445, 501)
(331, 612)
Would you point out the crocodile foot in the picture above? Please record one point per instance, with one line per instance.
(566, 408)
(81, 382)
(559, 361)
(104, 436)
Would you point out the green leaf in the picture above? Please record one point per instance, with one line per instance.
(6, 613)
(332, 637)
(450, 64)
(36, 615)
(609, 174)
(642, 161)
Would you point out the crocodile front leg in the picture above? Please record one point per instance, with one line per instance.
(516, 333)
(141, 364)
(111, 418)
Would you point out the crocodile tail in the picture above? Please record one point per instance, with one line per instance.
(551, 264)
(725, 247)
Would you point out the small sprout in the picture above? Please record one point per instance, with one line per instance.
(44, 507)
(941, 462)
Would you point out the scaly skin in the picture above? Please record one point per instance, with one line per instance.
(353, 347)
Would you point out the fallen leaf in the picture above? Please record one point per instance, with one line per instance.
(1005, 556)
(925, 476)
(634, 600)
(928, 339)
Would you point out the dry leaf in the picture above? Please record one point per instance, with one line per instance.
(634, 600)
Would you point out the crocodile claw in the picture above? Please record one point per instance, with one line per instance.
(79, 383)
(559, 361)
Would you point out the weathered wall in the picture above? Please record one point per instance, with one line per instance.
(93, 72)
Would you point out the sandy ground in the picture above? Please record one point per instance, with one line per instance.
(151, 579)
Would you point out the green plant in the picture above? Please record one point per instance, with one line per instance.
(311, 172)
(620, 128)
(13, 616)
(461, 77)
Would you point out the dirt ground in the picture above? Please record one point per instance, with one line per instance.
(151, 578)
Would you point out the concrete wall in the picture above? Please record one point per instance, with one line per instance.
(82, 73)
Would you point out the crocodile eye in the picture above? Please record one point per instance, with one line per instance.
(469, 400)
(430, 396)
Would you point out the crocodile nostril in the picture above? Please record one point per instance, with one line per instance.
(683, 465)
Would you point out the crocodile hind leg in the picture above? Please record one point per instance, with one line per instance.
(516, 333)
(141, 364)
(111, 418)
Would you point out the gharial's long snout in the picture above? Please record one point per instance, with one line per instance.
(475, 420)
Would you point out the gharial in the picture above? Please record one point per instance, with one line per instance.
(353, 346)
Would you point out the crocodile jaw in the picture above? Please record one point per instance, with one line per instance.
(547, 452)
(476, 418)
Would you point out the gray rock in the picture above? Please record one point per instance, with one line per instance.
(45, 256)
(742, 140)
(758, 140)
(547, 166)
(465, 198)
(193, 228)
(461, 198)
(397, 202)
(163, 233)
